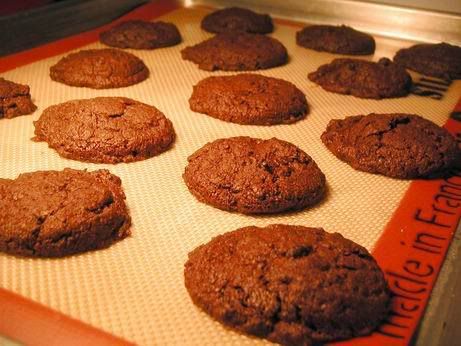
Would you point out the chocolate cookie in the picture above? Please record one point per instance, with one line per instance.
(401, 146)
(441, 60)
(236, 19)
(54, 214)
(105, 130)
(365, 79)
(99, 69)
(14, 99)
(249, 99)
(336, 39)
(237, 52)
(139, 34)
(290, 284)
(252, 176)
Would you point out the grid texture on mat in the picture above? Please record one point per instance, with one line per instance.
(135, 288)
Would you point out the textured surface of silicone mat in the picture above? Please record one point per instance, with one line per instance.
(135, 289)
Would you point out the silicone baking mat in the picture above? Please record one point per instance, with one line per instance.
(135, 288)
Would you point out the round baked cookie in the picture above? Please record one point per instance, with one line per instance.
(336, 39)
(99, 69)
(254, 176)
(404, 146)
(441, 60)
(236, 19)
(105, 130)
(237, 52)
(15, 99)
(249, 99)
(365, 79)
(59, 213)
(140, 34)
(293, 285)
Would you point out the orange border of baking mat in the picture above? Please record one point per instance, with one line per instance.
(29, 322)
(410, 250)
(22, 319)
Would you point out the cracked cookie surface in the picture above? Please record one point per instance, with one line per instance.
(249, 99)
(290, 284)
(236, 19)
(59, 213)
(365, 79)
(404, 146)
(105, 130)
(336, 39)
(99, 69)
(237, 52)
(441, 60)
(254, 176)
(139, 34)
(15, 99)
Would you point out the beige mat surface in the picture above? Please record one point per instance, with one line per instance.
(135, 288)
